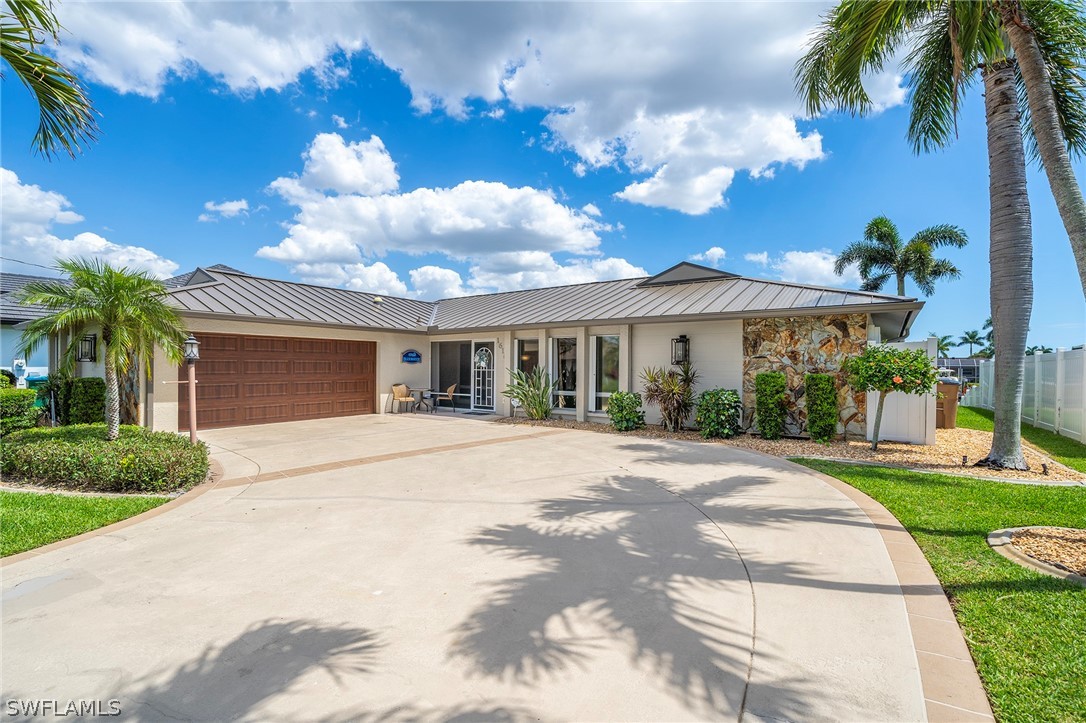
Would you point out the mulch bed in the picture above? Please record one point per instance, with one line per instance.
(944, 456)
(1063, 547)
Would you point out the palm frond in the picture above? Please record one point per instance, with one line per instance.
(943, 234)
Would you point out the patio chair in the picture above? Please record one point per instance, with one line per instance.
(402, 395)
(449, 396)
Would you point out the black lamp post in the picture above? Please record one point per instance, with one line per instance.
(192, 355)
(680, 350)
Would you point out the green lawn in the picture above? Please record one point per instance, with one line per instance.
(1061, 449)
(29, 520)
(1027, 631)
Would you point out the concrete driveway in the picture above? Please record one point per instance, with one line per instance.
(439, 568)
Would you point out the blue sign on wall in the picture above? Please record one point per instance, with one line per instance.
(411, 357)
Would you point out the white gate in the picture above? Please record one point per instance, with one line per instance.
(905, 417)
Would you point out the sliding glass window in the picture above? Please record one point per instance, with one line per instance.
(564, 370)
(605, 371)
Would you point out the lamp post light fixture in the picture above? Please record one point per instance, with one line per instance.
(680, 349)
(192, 355)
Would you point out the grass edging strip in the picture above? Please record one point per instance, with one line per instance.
(1001, 542)
(214, 477)
(921, 470)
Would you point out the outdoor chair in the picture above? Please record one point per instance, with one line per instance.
(449, 396)
(402, 395)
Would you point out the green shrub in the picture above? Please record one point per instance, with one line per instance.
(55, 389)
(7, 379)
(624, 409)
(672, 390)
(770, 390)
(822, 411)
(17, 410)
(532, 390)
(719, 413)
(79, 457)
(86, 400)
(886, 369)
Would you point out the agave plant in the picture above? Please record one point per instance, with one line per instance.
(671, 390)
(532, 390)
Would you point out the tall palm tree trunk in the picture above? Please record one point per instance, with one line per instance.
(901, 284)
(113, 396)
(1051, 142)
(1011, 258)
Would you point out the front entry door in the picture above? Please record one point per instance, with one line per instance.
(482, 375)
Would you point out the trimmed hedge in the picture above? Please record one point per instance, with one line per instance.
(86, 400)
(822, 411)
(79, 456)
(624, 409)
(719, 413)
(770, 389)
(17, 409)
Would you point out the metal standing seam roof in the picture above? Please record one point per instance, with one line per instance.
(630, 299)
(235, 293)
(222, 291)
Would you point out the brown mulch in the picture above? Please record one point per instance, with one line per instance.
(1064, 547)
(944, 456)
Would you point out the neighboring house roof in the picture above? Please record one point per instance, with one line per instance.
(12, 312)
(219, 291)
(684, 292)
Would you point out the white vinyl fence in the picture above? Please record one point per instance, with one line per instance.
(1053, 395)
(905, 417)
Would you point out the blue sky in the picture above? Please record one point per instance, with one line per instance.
(450, 149)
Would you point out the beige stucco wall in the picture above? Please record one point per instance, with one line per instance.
(390, 370)
(716, 352)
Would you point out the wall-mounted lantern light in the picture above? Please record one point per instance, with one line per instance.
(88, 348)
(192, 350)
(680, 350)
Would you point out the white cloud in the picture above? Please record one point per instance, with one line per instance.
(591, 209)
(533, 269)
(27, 215)
(813, 267)
(339, 121)
(761, 258)
(712, 256)
(363, 167)
(377, 278)
(684, 96)
(435, 282)
(226, 209)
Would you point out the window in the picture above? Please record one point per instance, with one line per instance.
(605, 371)
(564, 369)
(527, 354)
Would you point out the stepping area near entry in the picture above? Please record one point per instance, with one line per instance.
(432, 566)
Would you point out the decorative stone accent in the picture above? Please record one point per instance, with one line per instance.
(798, 346)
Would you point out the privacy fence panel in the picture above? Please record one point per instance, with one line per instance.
(1054, 394)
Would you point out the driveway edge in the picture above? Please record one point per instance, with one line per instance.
(948, 676)
(215, 474)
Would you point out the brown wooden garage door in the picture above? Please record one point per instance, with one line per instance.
(261, 379)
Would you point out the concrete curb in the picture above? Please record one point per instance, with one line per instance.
(921, 470)
(1001, 542)
(214, 477)
(951, 685)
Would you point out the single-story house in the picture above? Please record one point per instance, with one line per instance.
(273, 351)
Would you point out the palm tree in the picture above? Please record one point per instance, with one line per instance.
(972, 338)
(128, 306)
(882, 256)
(67, 116)
(1031, 350)
(944, 343)
(944, 43)
(1056, 100)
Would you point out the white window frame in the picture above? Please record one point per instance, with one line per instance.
(553, 367)
(595, 395)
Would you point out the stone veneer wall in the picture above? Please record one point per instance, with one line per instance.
(802, 345)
